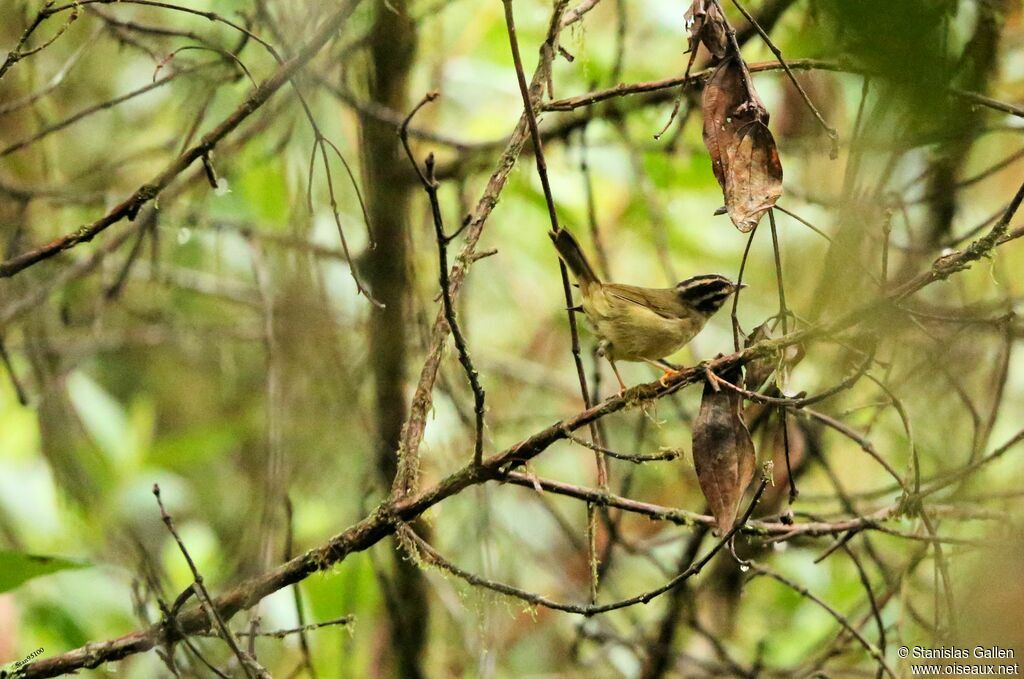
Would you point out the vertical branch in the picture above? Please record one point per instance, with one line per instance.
(736, 295)
(876, 612)
(542, 171)
(621, 25)
(979, 64)
(588, 191)
(300, 611)
(784, 319)
(656, 212)
(886, 240)
(391, 53)
(1002, 374)
(783, 309)
(248, 662)
(422, 400)
(430, 185)
(856, 150)
(659, 649)
(9, 367)
(275, 480)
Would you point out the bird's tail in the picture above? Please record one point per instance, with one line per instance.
(572, 254)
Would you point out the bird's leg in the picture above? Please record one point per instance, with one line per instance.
(669, 369)
(602, 350)
(622, 385)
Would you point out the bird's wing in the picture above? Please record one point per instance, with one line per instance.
(663, 302)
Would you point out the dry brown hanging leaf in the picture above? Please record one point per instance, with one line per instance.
(744, 156)
(753, 176)
(706, 25)
(723, 94)
(723, 453)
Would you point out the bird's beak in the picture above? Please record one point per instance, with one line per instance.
(740, 286)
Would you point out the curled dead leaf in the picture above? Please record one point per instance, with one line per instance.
(744, 156)
(707, 25)
(723, 452)
(753, 176)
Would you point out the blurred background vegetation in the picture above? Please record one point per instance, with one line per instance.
(217, 344)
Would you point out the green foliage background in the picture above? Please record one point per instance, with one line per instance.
(168, 382)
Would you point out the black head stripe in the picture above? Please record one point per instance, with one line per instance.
(711, 303)
(702, 286)
(706, 293)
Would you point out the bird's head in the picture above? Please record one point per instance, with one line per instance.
(707, 293)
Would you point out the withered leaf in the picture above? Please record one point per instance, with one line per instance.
(707, 25)
(723, 95)
(744, 156)
(723, 452)
(753, 181)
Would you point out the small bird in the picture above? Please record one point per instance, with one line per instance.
(642, 324)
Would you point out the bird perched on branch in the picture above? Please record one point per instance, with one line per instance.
(642, 324)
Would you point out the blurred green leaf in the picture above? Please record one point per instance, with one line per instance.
(102, 416)
(18, 567)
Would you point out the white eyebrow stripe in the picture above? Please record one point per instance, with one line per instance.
(712, 285)
(723, 289)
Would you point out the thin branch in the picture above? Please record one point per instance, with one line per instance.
(778, 530)
(637, 459)
(106, 105)
(800, 402)
(735, 321)
(203, 595)
(17, 54)
(829, 130)
(300, 610)
(434, 558)
(422, 401)
(860, 440)
(343, 621)
(627, 89)
(839, 617)
(430, 185)
(5, 358)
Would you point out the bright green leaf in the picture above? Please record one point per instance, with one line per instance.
(103, 417)
(18, 567)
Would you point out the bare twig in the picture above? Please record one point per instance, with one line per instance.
(430, 185)
(758, 569)
(434, 558)
(249, 665)
(829, 130)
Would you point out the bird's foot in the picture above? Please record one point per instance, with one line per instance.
(669, 374)
(622, 389)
